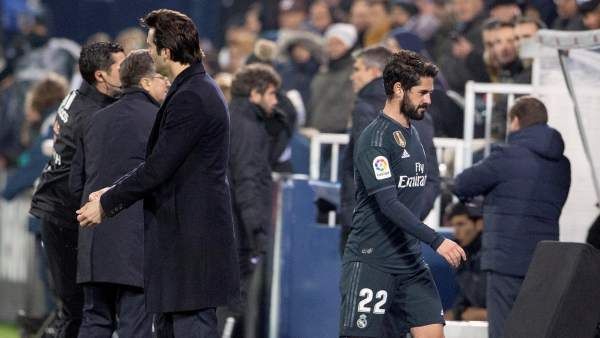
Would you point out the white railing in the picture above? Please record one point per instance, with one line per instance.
(471, 91)
(316, 141)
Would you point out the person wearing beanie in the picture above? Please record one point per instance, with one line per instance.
(331, 89)
(590, 11)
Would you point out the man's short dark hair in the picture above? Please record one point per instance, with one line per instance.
(256, 76)
(136, 65)
(176, 32)
(97, 56)
(374, 57)
(529, 110)
(472, 211)
(526, 19)
(407, 68)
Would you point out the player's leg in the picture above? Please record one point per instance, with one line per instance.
(364, 291)
(422, 306)
(428, 331)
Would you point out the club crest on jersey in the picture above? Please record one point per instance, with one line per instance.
(381, 168)
(399, 138)
(362, 321)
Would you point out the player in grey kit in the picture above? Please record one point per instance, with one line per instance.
(387, 289)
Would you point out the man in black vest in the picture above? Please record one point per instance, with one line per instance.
(53, 202)
(190, 251)
(110, 258)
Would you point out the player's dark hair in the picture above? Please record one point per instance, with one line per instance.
(406, 68)
(97, 56)
(529, 110)
(256, 76)
(176, 32)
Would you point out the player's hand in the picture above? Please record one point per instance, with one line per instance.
(452, 252)
(95, 196)
(90, 214)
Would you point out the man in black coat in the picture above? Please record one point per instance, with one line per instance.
(110, 258)
(367, 82)
(190, 254)
(53, 202)
(525, 184)
(254, 97)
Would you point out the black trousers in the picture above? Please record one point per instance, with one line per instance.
(191, 324)
(113, 307)
(502, 291)
(60, 244)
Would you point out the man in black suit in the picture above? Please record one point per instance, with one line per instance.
(190, 251)
(53, 202)
(110, 258)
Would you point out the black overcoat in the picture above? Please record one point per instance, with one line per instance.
(190, 252)
(114, 141)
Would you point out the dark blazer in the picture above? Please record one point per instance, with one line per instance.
(190, 252)
(115, 141)
(525, 184)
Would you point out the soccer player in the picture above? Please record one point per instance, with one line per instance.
(387, 288)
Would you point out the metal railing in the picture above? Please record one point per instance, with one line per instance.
(489, 89)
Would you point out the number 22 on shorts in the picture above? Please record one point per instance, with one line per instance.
(367, 295)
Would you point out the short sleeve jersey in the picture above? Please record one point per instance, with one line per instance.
(387, 156)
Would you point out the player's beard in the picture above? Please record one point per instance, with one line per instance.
(411, 111)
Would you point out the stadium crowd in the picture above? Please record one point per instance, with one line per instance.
(320, 71)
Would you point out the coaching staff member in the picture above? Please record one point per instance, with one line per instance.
(190, 252)
(110, 257)
(53, 202)
(525, 184)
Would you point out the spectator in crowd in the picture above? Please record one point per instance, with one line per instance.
(359, 18)
(254, 98)
(504, 51)
(525, 184)
(320, 16)
(281, 122)
(590, 10)
(465, 38)
(526, 28)
(53, 202)
(331, 89)
(41, 104)
(303, 55)
(111, 258)
(292, 14)
(505, 10)
(467, 221)
(367, 82)
(569, 18)
(131, 38)
(379, 23)
(402, 13)
(239, 41)
(185, 190)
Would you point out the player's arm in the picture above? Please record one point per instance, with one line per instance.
(374, 169)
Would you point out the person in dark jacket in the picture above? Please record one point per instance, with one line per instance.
(281, 122)
(467, 221)
(367, 82)
(189, 244)
(525, 184)
(110, 258)
(254, 99)
(53, 202)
